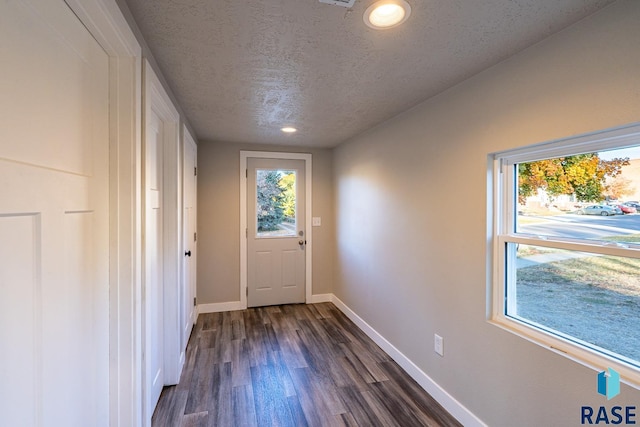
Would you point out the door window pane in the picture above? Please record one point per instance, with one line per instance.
(275, 203)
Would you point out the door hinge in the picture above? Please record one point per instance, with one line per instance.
(246, 291)
(195, 237)
(195, 171)
(246, 173)
(194, 301)
(246, 232)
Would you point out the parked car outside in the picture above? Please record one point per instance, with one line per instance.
(632, 204)
(627, 209)
(602, 210)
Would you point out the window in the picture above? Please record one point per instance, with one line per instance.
(566, 247)
(275, 203)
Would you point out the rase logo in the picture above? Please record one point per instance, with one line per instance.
(608, 386)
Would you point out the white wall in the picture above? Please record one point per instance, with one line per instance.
(411, 222)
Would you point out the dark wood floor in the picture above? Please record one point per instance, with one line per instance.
(292, 365)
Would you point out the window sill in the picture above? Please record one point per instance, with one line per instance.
(629, 373)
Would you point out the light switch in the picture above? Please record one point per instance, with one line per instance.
(317, 221)
(438, 344)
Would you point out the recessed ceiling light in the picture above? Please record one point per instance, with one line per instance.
(385, 14)
(288, 129)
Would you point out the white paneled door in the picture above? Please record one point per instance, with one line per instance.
(189, 196)
(153, 250)
(276, 235)
(54, 225)
(161, 249)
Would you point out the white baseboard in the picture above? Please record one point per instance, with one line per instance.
(237, 305)
(448, 402)
(220, 306)
(320, 298)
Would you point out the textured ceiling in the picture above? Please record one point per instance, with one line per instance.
(242, 69)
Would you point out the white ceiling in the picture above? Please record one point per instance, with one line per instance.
(242, 69)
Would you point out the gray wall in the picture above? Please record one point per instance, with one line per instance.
(411, 222)
(219, 219)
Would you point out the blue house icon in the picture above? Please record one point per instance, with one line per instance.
(609, 384)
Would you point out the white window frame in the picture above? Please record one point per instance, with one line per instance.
(502, 206)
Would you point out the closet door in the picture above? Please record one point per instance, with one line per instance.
(54, 248)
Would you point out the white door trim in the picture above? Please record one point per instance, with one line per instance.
(108, 26)
(244, 155)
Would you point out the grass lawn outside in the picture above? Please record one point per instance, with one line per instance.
(593, 298)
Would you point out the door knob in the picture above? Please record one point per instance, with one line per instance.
(187, 253)
(301, 242)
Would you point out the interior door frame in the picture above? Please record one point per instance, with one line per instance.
(307, 157)
(107, 24)
(156, 99)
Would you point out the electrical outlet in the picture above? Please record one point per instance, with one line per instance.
(316, 221)
(438, 344)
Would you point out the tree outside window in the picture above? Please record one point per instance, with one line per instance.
(276, 200)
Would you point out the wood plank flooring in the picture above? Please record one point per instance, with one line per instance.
(291, 365)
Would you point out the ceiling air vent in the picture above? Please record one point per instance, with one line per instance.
(343, 3)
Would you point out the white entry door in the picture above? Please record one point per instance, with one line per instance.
(276, 235)
(54, 223)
